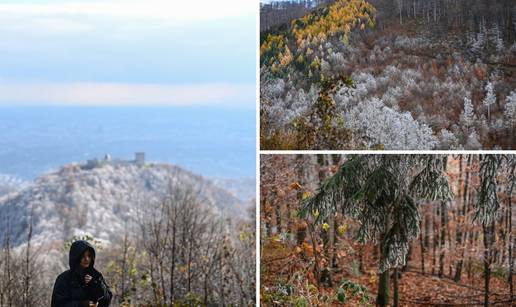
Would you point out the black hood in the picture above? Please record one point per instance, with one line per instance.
(76, 251)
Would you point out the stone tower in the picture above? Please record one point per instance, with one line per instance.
(139, 158)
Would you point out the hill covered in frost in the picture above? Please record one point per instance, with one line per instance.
(10, 184)
(243, 188)
(101, 201)
(371, 74)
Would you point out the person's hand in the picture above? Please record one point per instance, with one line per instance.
(88, 304)
(87, 279)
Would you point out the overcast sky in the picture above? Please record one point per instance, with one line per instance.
(131, 52)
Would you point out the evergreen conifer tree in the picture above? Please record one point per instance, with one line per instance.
(381, 193)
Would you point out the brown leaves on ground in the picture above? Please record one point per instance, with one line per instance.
(281, 261)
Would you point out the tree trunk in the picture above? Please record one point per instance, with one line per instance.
(277, 210)
(328, 235)
(442, 251)
(335, 159)
(173, 262)
(382, 299)
(27, 273)
(409, 258)
(162, 279)
(205, 287)
(462, 221)
(331, 242)
(435, 233)
(396, 294)
(488, 240)
(361, 259)
(487, 276)
(428, 228)
(444, 225)
(267, 232)
(299, 194)
(222, 280)
(511, 241)
(124, 265)
(400, 4)
(189, 269)
(154, 285)
(317, 271)
(422, 247)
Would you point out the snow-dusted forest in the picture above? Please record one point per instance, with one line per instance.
(407, 74)
(164, 236)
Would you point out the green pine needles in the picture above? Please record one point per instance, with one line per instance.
(432, 182)
(381, 193)
(487, 206)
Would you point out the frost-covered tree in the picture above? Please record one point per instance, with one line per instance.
(380, 125)
(472, 141)
(381, 193)
(496, 41)
(478, 42)
(487, 210)
(194, 257)
(273, 88)
(487, 205)
(325, 68)
(510, 110)
(468, 114)
(490, 98)
(448, 140)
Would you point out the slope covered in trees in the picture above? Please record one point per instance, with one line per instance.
(163, 235)
(421, 75)
(397, 230)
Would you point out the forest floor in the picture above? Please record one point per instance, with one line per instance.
(287, 279)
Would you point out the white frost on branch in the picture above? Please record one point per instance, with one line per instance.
(510, 109)
(379, 124)
(490, 98)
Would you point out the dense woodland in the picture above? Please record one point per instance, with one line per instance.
(179, 253)
(387, 230)
(401, 74)
(275, 14)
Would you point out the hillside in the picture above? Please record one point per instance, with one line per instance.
(10, 184)
(356, 74)
(99, 201)
(241, 188)
(138, 216)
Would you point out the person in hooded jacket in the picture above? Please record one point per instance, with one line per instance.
(81, 285)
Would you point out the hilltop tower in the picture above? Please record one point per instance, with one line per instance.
(139, 158)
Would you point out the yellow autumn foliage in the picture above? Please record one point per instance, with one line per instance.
(316, 63)
(340, 19)
(300, 59)
(372, 277)
(306, 194)
(342, 229)
(272, 42)
(285, 57)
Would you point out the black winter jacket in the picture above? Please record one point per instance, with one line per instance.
(70, 289)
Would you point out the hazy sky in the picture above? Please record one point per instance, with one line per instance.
(132, 52)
